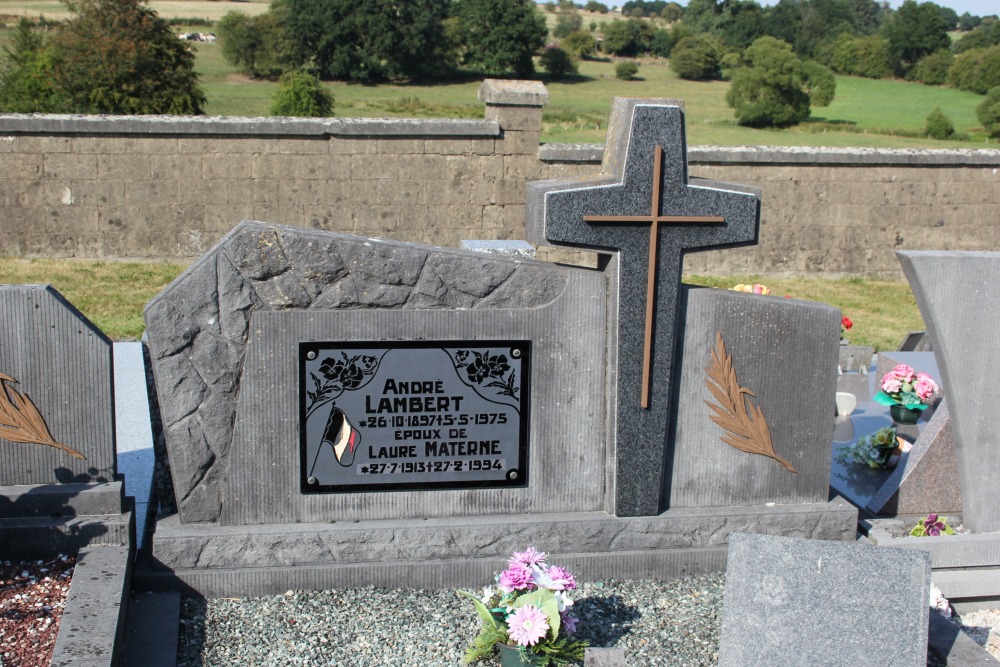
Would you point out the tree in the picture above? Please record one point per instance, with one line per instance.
(933, 69)
(119, 56)
(672, 12)
(302, 94)
(557, 62)
(367, 40)
(967, 22)
(977, 70)
(26, 83)
(500, 36)
(696, 57)
(776, 88)
(622, 38)
(597, 7)
(939, 126)
(914, 32)
(567, 20)
(988, 112)
(257, 45)
(988, 34)
(579, 43)
(740, 23)
(858, 56)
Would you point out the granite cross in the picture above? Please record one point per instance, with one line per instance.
(621, 210)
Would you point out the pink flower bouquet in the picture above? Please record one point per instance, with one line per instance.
(903, 386)
(528, 609)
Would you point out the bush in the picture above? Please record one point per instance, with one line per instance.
(622, 38)
(579, 43)
(939, 126)
(977, 70)
(933, 70)
(988, 112)
(302, 94)
(695, 57)
(557, 62)
(626, 70)
(860, 56)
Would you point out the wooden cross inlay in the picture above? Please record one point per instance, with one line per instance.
(653, 219)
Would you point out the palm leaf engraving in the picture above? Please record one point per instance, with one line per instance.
(20, 420)
(745, 421)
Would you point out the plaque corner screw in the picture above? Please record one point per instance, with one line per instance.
(311, 354)
(516, 352)
(312, 481)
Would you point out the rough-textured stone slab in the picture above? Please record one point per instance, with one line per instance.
(785, 352)
(604, 657)
(38, 537)
(555, 212)
(962, 323)
(513, 93)
(63, 364)
(954, 646)
(926, 479)
(241, 560)
(93, 623)
(963, 550)
(801, 602)
(199, 329)
(521, 249)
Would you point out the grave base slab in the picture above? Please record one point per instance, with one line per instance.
(966, 566)
(226, 561)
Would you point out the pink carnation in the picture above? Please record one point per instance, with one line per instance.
(527, 557)
(891, 384)
(517, 577)
(903, 372)
(527, 625)
(561, 579)
(924, 386)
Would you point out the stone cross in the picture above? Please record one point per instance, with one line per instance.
(621, 211)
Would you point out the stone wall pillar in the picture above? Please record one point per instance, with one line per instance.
(517, 107)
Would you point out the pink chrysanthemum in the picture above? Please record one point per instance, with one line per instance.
(517, 577)
(527, 625)
(903, 372)
(561, 579)
(527, 557)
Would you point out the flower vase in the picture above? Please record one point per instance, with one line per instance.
(510, 656)
(903, 415)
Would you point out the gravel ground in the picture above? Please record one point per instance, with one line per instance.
(32, 595)
(658, 623)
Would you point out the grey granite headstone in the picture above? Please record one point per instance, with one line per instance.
(224, 341)
(785, 352)
(791, 602)
(63, 365)
(958, 297)
(632, 185)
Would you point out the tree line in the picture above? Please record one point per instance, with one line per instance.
(117, 56)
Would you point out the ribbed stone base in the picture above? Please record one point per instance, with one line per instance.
(224, 561)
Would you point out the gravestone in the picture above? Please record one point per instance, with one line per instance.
(59, 488)
(793, 602)
(341, 411)
(962, 323)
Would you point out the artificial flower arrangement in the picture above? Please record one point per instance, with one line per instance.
(528, 609)
(872, 450)
(845, 325)
(932, 526)
(752, 289)
(902, 386)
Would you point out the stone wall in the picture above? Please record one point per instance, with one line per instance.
(166, 187)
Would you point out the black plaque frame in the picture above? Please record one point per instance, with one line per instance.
(523, 348)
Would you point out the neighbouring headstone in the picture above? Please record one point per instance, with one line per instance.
(59, 488)
(789, 601)
(961, 322)
(643, 208)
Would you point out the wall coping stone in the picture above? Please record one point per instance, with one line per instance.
(500, 92)
(778, 155)
(237, 125)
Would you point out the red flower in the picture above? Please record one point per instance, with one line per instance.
(846, 323)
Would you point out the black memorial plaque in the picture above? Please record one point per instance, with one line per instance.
(378, 416)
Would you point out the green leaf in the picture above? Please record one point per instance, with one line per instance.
(482, 610)
(884, 399)
(546, 601)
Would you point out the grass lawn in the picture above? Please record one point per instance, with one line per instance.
(113, 294)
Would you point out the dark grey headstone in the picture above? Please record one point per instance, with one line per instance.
(555, 212)
(960, 304)
(223, 343)
(785, 352)
(63, 364)
(791, 602)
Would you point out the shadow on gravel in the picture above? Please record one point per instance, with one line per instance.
(604, 620)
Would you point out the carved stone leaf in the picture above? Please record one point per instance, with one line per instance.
(20, 420)
(747, 428)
